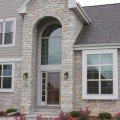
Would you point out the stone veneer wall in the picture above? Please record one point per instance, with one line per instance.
(71, 26)
(95, 105)
(13, 100)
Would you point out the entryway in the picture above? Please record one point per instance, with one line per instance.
(50, 88)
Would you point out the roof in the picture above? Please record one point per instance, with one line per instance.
(104, 27)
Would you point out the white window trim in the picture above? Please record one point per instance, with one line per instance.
(14, 31)
(114, 96)
(12, 88)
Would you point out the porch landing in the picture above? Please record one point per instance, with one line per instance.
(45, 111)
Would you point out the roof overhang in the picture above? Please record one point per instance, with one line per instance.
(23, 8)
(72, 4)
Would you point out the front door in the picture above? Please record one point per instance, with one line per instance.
(51, 88)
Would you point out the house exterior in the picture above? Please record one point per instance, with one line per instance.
(53, 56)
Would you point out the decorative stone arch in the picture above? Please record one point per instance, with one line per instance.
(71, 27)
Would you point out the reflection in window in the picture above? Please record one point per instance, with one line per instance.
(51, 52)
(1, 32)
(8, 32)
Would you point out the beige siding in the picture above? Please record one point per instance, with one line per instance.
(8, 9)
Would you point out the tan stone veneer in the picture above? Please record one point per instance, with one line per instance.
(71, 26)
(13, 99)
(96, 106)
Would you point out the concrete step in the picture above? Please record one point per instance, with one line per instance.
(45, 112)
(35, 116)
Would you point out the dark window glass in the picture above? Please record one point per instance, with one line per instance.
(92, 72)
(0, 70)
(7, 70)
(43, 81)
(43, 86)
(7, 82)
(43, 92)
(1, 32)
(43, 98)
(8, 32)
(43, 75)
(106, 87)
(92, 87)
(0, 82)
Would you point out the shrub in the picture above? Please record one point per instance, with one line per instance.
(2, 113)
(105, 115)
(11, 110)
(84, 113)
(75, 114)
(117, 115)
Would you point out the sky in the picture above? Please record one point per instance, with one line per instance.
(96, 2)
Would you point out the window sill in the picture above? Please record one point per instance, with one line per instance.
(9, 45)
(6, 90)
(100, 97)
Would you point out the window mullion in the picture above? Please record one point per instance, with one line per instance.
(3, 33)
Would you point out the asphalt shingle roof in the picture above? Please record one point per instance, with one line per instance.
(104, 27)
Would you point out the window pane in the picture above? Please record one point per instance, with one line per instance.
(1, 32)
(8, 32)
(43, 75)
(0, 70)
(7, 81)
(51, 52)
(106, 59)
(106, 87)
(93, 72)
(53, 31)
(7, 70)
(0, 82)
(43, 98)
(92, 59)
(106, 72)
(92, 87)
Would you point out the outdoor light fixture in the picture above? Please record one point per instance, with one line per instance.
(66, 75)
(25, 75)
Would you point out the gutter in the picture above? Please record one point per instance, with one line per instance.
(75, 6)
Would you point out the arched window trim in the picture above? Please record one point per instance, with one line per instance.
(46, 67)
(43, 68)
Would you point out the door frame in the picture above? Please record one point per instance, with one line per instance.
(46, 92)
(44, 68)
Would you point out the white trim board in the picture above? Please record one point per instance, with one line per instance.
(10, 59)
(96, 46)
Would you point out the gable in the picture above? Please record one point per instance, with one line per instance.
(72, 4)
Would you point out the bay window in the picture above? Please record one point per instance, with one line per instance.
(100, 74)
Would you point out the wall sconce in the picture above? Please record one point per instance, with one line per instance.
(25, 76)
(66, 75)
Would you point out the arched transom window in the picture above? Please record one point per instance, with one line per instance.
(51, 47)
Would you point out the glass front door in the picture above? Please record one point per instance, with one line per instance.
(51, 88)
